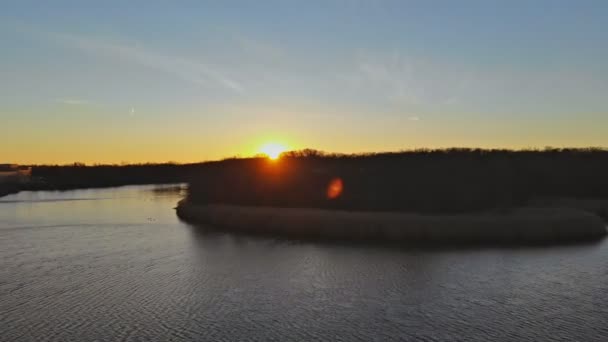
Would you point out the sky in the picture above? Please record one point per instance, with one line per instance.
(187, 81)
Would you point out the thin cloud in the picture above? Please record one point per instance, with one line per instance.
(414, 118)
(411, 81)
(72, 102)
(188, 70)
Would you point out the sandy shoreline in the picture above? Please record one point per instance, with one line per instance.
(517, 225)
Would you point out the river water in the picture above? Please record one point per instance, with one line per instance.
(117, 265)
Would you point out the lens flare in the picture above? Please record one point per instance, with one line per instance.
(334, 188)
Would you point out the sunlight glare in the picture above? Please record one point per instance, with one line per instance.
(273, 150)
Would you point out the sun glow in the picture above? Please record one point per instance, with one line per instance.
(273, 150)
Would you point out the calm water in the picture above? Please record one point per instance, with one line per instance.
(117, 265)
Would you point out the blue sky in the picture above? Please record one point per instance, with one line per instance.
(141, 81)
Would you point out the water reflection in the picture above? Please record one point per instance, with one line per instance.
(121, 266)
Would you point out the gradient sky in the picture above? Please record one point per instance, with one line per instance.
(138, 81)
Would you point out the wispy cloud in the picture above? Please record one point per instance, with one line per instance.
(72, 102)
(189, 70)
(406, 80)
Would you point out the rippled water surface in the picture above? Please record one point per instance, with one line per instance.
(117, 265)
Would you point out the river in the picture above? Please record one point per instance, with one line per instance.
(117, 265)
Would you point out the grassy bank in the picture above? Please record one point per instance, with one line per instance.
(599, 206)
(528, 225)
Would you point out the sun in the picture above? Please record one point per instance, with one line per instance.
(273, 150)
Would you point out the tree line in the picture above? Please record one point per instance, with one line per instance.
(447, 180)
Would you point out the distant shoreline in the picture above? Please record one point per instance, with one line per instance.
(14, 190)
(522, 225)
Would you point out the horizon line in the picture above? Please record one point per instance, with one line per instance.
(322, 153)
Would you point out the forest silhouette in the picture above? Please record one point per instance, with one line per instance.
(427, 181)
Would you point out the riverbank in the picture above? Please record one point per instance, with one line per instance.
(592, 205)
(78, 176)
(527, 225)
(7, 189)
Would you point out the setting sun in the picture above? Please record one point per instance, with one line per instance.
(273, 150)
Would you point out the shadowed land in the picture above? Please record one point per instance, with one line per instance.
(455, 194)
(427, 181)
(7, 189)
(528, 225)
(433, 181)
(552, 193)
